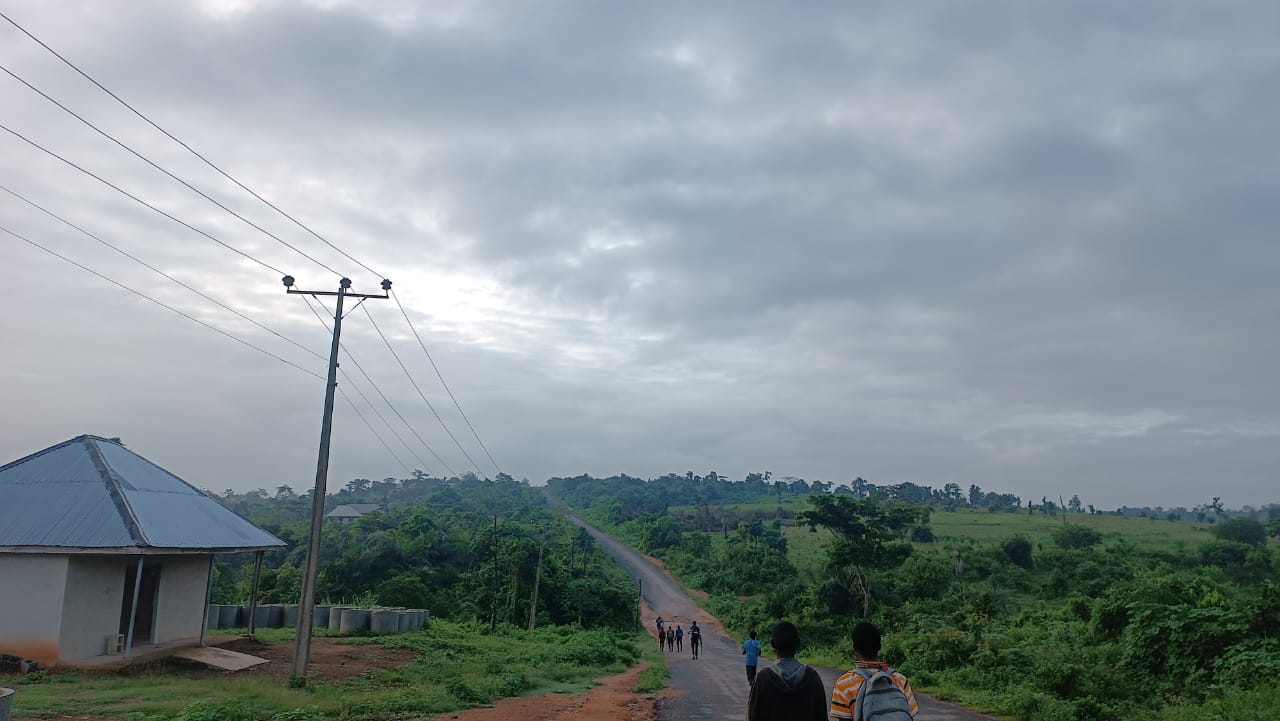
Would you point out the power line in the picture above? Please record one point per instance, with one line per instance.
(320, 317)
(206, 297)
(269, 204)
(371, 430)
(140, 294)
(189, 186)
(422, 395)
(138, 200)
(154, 269)
(442, 382)
(189, 149)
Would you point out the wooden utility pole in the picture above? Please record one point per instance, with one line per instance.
(537, 578)
(307, 604)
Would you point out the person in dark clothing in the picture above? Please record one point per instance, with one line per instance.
(787, 690)
(695, 639)
(671, 639)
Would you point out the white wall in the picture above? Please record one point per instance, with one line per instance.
(91, 611)
(32, 588)
(180, 604)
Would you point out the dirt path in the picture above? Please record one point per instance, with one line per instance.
(713, 687)
(612, 700)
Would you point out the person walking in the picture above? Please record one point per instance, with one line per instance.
(695, 639)
(671, 639)
(662, 635)
(788, 690)
(679, 639)
(871, 687)
(751, 649)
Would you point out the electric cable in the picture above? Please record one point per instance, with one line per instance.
(140, 201)
(189, 149)
(423, 396)
(189, 186)
(319, 316)
(268, 203)
(140, 294)
(371, 430)
(442, 381)
(156, 270)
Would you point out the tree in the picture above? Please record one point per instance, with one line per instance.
(868, 538)
(1075, 505)
(1018, 550)
(1273, 528)
(1242, 530)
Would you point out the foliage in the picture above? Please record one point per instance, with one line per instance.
(464, 548)
(1241, 530)
(1076, 537)
(1017, 550)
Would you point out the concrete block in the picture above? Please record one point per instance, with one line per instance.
(212, 621)
(354, 620)
(335, 617)
(384, 620)
(291, 616)
(229, 617)
(6, 703)
(320, 617)
(405, 621)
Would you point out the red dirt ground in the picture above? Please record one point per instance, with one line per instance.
(613, 700)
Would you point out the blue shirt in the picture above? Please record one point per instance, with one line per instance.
(751, 647)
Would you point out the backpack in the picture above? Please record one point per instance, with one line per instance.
(880, 698)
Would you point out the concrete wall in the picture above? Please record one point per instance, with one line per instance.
(181, 598)
(32, 588)
(91, 611)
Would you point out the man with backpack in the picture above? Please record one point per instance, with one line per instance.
(788, 690)
(872, 689)
(695, 639)
(679, 639)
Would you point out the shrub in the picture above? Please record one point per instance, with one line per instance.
(1017, 549)
(1241, 530)
(1072, 536)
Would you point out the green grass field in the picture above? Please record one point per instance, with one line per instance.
(455, 667)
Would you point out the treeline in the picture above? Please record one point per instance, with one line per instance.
(465, 548)
(626, 497)
(1083, 625)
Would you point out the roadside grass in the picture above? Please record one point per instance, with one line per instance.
(654, 677)
(457, 666)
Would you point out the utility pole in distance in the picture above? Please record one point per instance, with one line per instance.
(307, 605)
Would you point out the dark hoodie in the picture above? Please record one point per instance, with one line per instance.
(787, 691)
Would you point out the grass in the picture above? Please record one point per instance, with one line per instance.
(654, 677)
(457, 666)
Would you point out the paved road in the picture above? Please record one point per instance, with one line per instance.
(713, 687)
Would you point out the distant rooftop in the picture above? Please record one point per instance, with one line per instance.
(93, 493)
(353, 510)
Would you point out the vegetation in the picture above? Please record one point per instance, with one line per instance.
(1044, 613)
(465, 548)
(457, 666)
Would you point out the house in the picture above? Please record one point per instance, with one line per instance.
(105, 554)
(351, 511)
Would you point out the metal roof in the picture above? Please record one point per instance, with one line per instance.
(92, 493)
(353, 510)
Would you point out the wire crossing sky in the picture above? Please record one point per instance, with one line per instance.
(1027, 246)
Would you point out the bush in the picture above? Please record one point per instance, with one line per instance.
(1017, 549)
(1072, 536)
(1241, 530)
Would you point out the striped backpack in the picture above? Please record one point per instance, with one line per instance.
(880, 698)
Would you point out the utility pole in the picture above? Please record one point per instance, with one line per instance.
(306, 610)
(537, 579)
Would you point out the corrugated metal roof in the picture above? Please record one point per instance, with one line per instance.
(89, 492)
(354, 510)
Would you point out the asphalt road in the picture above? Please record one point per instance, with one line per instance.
(714, 686)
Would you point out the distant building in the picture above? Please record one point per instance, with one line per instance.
(88, 525)
(351, 511)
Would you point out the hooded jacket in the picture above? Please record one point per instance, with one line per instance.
(787, 691)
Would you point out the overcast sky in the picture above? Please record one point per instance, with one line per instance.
(1031, 246)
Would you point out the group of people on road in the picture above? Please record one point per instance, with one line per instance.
(672, 639)
(791, 691)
